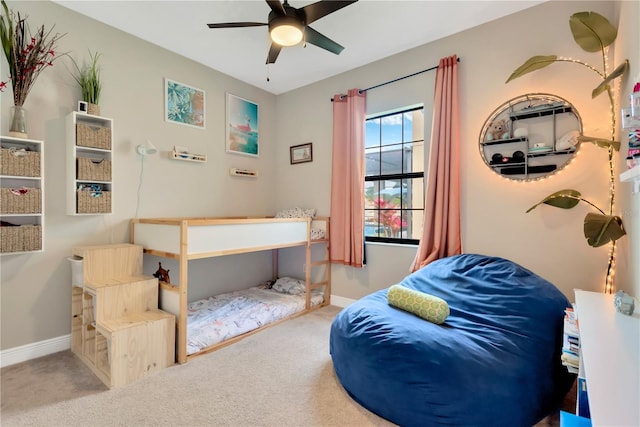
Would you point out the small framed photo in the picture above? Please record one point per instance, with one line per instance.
(83, 107)
(302, 153)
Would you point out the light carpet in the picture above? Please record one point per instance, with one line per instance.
(282, 376)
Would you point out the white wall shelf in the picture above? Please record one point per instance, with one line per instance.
(22, 168)
(632, 175)
(249, 173)
(188, 157)
(89, 164)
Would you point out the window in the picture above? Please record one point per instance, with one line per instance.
(394, 176)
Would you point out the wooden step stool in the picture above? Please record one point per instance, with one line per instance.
(116, 326)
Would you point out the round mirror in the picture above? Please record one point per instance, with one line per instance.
(530, 137)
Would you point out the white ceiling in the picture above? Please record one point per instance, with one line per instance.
(369, 30)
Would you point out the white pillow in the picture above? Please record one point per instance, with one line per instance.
(289, 285)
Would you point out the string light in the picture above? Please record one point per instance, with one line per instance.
(614, 95)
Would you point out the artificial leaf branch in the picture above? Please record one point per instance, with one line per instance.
(599, 228)
(593, 33)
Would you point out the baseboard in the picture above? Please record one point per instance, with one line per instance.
(341, 301)
(26, 352)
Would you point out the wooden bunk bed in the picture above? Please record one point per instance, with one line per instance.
(185, 239)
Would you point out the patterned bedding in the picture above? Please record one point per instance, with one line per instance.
(218, 318)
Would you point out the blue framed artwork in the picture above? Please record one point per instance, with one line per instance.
(242, 126)
(184, 104)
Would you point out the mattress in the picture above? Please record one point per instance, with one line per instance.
(218, 318)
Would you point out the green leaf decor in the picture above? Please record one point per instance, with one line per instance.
(532, 64)
(593, 32)
(600, 142)
(623, 68)
(88, 78)
(564, 199)
(601, 229)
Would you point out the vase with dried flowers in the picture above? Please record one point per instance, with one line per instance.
(27, 54)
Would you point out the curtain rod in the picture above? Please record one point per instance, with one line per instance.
(400, 78)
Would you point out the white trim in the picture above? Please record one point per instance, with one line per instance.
(341, 301)
(26, 352)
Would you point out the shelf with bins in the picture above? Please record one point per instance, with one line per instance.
(515, 165)
(632, 175)
(22, 195)
(89, 164)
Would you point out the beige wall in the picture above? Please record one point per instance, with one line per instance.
(35, 292)
(35, 303)
(548, 241)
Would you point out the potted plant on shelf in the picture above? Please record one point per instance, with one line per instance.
(88, 78)
(27, 54)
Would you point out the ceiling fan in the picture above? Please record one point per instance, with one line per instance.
(288, 25)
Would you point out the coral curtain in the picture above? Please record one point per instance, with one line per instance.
(441, 227)
(347, 179)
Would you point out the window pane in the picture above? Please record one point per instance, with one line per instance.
(372, 133)
(414, 193)
(413, 224)
(413, 160)
(372, 225)
(372, 161)
(390, 204)
(413, 125)
(390, 192)
(371, 194)
(391, 129)
(391, 160)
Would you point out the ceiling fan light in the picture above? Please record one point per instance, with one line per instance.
(288, 34)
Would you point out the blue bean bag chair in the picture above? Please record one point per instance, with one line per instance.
(495, 361)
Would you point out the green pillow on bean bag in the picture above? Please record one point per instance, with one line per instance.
(429, 307)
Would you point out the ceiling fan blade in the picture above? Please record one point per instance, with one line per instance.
(237, 24)
(315, 11)
(314, 37)
(274, 51)
(277, 7)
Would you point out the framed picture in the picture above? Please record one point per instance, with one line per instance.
(301, 153)
(242, 126)
(184, 104)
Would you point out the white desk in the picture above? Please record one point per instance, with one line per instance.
(610, 348)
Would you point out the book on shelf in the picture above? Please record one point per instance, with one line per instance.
(571, 341)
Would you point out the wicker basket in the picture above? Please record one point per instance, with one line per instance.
(20, 238)
(94, 169)
(90, 202)
(93, 136)
(20, 201)
(17, 162)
